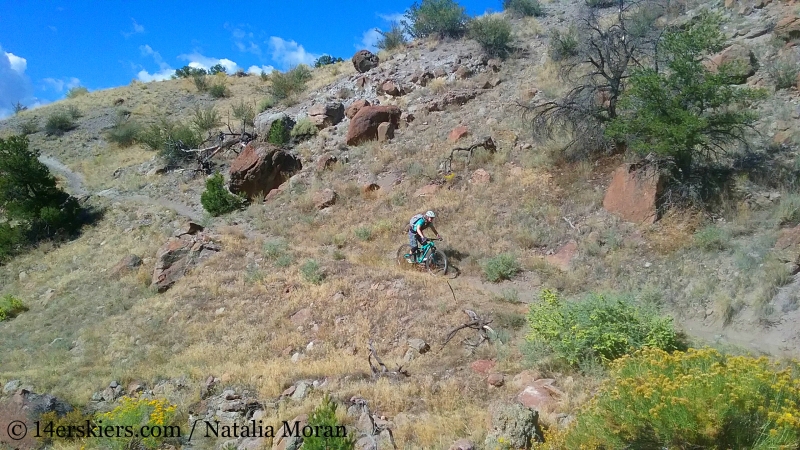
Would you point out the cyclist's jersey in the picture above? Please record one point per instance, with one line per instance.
(419, 224)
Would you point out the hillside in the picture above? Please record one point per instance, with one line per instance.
(285, 303)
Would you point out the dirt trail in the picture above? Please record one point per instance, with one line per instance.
(76, 187)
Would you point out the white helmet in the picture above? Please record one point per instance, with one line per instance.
(430, 214)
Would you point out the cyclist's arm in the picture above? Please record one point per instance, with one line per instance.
(434, 230)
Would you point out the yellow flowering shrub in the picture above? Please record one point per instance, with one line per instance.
(693, 399)
(145, 420)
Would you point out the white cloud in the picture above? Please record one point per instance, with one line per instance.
(392, 18)
(204, 62)
(135, 29)
(164, 74)
(15, 86)
(369, 40)
(290, 53)
(256, 70)
(59, 85)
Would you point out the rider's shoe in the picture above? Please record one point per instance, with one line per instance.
(408, 258)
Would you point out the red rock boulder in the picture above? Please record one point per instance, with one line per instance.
(365, 60)
(364, 125)
(355, 107)
(633, 194)
(260, 168)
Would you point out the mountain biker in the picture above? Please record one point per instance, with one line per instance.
(415, 237)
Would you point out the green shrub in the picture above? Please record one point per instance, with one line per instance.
(200, 82)
(304, 129)
(364, 233)
(12, 239)
(783, 72)
(136, 413)
(10, 307)
(170, 139)
(501, 267)
(216, 199)
(445, 18)
(493, 33)
(280, 131)
(788, 211)
(244, 112)
(27, 127)
(218, 90)
(125, 131)
(324, 416)
(695, 399)
(311, 272)
(326, 60)
(563, 44)
(291, 83)
(189, 72)
(394, 38)
(217, 68)
(74, 112)
(712, 238)
(77, 91)
(275, 248)
(266, 103)
(205, 119)
(598, 328)
(59, 123)
(524, 8)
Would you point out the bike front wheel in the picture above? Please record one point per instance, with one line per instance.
(437, 263)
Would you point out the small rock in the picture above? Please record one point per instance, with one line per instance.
(301, 391)
(296, 357)
(23, 276)
(462, 444)
(482, 366)
(385, 131)
(11, 386)
(419, 345)
(480, 176)
(496, 379)
(325, 198)
(457, 133)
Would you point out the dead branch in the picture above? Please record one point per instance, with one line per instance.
(383, 371)
(487, 143)
(477, 323)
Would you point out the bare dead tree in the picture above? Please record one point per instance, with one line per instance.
(609, 47)
(220, 142)
(477, 323)
(486, 142)
(381, 370)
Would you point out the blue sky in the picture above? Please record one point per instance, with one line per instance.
(47, 47)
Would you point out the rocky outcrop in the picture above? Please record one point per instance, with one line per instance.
(324, 115)
(364, 125)
(178, 255)
(739, 59)
(126, 265)
(456, 97)
(261, 168)
(633, 194)
(325, 198)
(787, 28)
(365, 60)
(563, 257)
(512, 426)
(355, 107)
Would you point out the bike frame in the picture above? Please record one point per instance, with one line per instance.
(427, 248)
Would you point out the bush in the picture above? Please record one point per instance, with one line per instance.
(244, 112)
(326, 60)
(598, 329)
(563, 45)
(169, 139)
(324, 416)
(125, 131)
(205, 119)
(311, 272)
(394, 38)
(694, 399)
(200, 82)
(293, 82)
(493, 33)
(524, 8)
(29, 195)
(266, 103)
(783, 72)
(275, 248)
(189, 72)
(12, 239)
(280, 131)
(217, 68)
(501, 267)
(216, 199)
(59, 123)
(77, 91)
(712, 238)
(10, 307)
(304, 129)
(218, 90)
(684, 113)
(29, 126)
(136, 413)
(74, 419)
(445, 18)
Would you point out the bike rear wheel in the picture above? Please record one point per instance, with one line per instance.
(404, 249)
(437, 263)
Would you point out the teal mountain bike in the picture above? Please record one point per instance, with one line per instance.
(428, 256)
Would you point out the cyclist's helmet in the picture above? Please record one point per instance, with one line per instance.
(430, 214)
